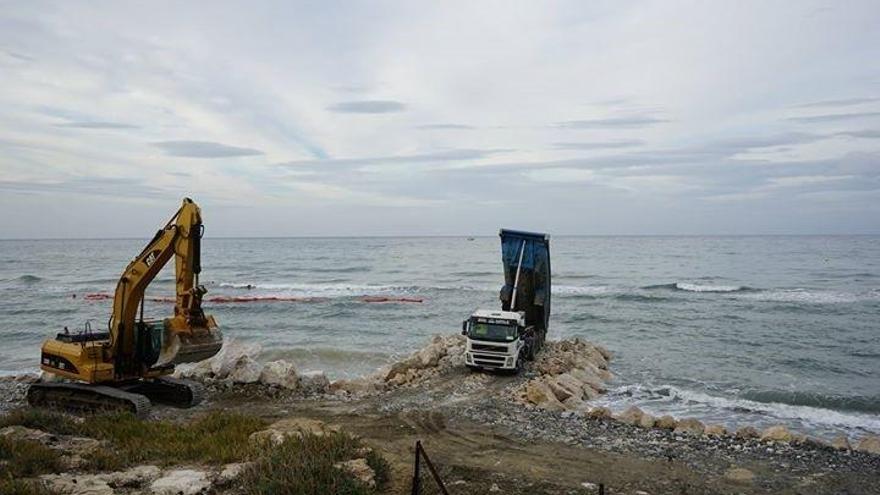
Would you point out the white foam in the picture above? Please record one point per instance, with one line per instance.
(708, 288)
(814, 416)
(589, 290)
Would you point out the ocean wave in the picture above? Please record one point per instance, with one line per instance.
(689, 287)
(813, 409)
(28, 279)
(585, 290)
(810, 296)
(333, 290)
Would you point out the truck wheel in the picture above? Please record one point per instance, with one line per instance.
(472, 367)
(530, 350)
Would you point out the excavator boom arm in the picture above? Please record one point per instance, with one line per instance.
(180, 238)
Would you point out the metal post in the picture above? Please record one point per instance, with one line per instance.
(416, 488)
(601, 489)
(516, 279)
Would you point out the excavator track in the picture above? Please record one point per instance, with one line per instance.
(170, 391)
(90, 398)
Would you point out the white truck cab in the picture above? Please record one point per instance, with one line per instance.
(495, 339)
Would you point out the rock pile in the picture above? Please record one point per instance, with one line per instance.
(443, 353)
(236, 364)
(692, 427)
(570, 372)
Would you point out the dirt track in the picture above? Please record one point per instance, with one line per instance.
(482, 443)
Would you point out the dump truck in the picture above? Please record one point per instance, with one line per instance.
(503, 340)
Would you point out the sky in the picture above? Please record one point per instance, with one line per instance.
(440, 118)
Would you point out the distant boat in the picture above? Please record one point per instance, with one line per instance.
(470, 238)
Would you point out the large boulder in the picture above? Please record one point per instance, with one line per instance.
(841, 442)
(133, 477)
(716, 431)
(246, 370)
(745, 432)
(666, 422)
(689, 426)
(76, 484)
(600, 413)
(314, 382)
(631, 416)
(360, 470)
(181, 482)
(777, 433)
(290, 427)
(540, 394)
(647, 421)
(280, 374)
(870, 444)
(226, 360)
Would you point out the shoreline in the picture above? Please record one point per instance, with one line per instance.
(481, 432)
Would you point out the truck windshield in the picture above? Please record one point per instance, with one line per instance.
(492, 331)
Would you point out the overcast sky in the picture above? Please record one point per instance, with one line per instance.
(385, 118)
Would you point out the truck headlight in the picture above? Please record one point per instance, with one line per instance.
(508, 361)
(468, 357)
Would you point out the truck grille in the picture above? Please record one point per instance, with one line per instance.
(489, 348)
(488, 360)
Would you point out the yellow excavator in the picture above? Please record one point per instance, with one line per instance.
(128, 366)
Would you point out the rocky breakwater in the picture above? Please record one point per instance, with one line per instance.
(569, 373)
(443, 353)
(236, 364)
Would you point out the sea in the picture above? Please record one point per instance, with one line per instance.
(755, 330)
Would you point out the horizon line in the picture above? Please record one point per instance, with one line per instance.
(437, 236)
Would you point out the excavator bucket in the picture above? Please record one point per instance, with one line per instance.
(190, 346)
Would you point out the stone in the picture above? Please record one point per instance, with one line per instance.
(278, 431)
(232, 351)
(280, 374)
(716, 431)
(666, 422)
(246, 370)
(588, 378)
(740, 476)
(133, 477)
(745, 432)
(776, 433)
(600, 413)
(231, 472)
(181, 482)
(561, 392)
(573, 404)
(870, 444)
(646, 421)
(630, 416)
(538, 392)
(689, 426)
(72, 484)
(360, 470)
(357, 386)
(314, 382)
(841, 442)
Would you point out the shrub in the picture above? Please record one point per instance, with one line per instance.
(305, 465)
(24, 458)
(24, 487)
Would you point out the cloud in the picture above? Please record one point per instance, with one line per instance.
(843, 102)
(427, 127)
(627, 143)
(98, 125)
(453, 155)
(834, 117)
(612, 122)
(368, 106)
(203, 149)
(866, 134)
